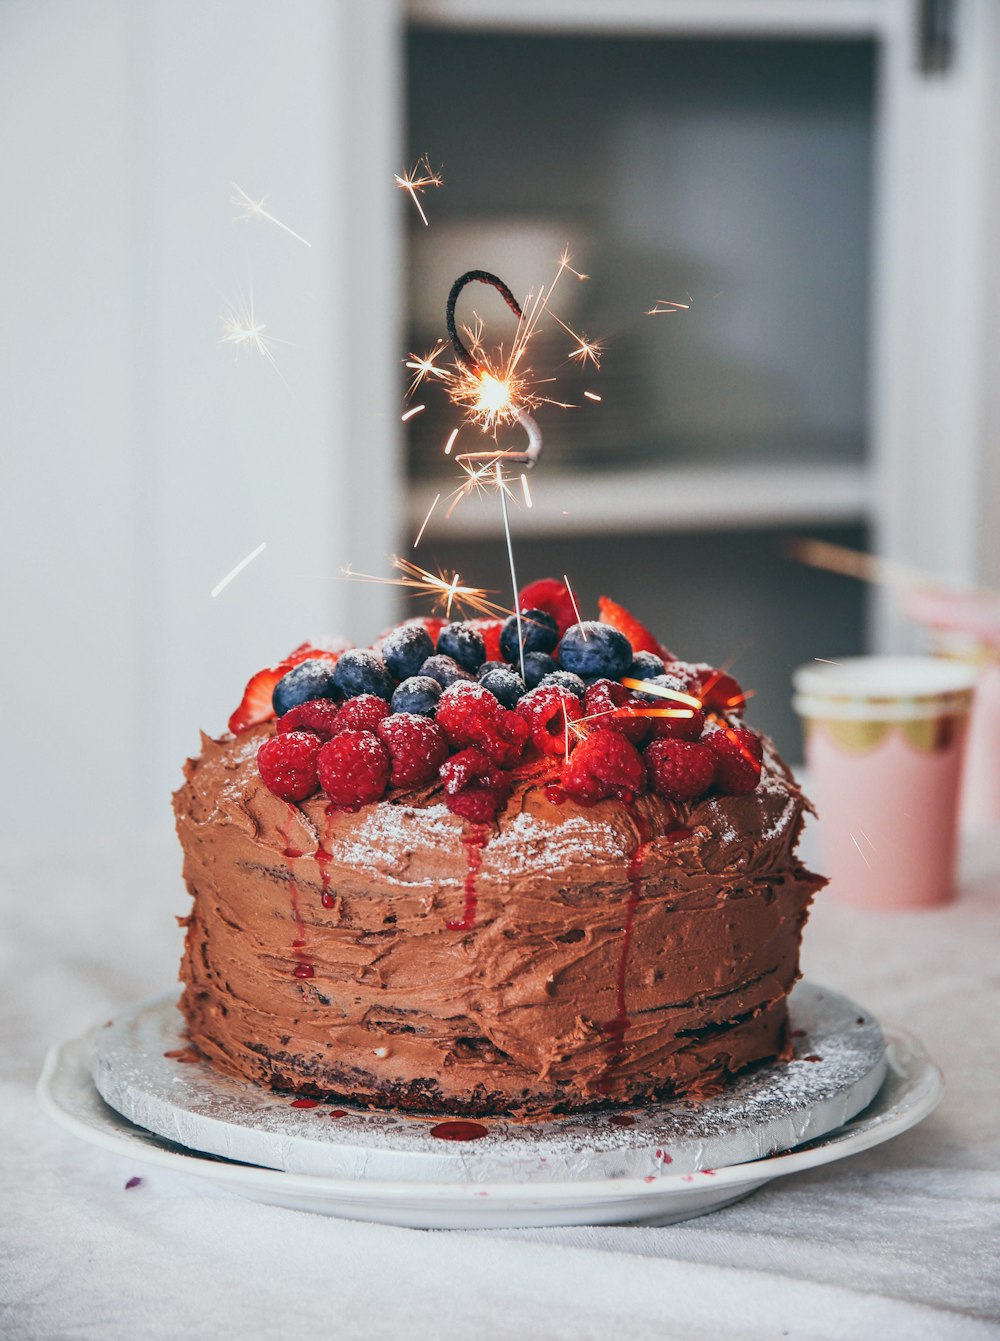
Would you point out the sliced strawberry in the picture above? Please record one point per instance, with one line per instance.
(638, 635)
(489, 631)
(255, 706)
(551, 596)
(721, 693)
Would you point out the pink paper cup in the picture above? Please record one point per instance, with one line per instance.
(884, 745)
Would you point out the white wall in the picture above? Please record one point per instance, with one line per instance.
(141, 459)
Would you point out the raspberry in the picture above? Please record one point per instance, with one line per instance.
(721, 693)
(680, 769)
(417, 748)
(546, 710)
(474, 787)
(604, 765)
(687, 674)
(605, 697)
(318, 715)
(551, 596)
(354, 768)
(287, 764)
(738, 754)
(362, 713)
(468, 714)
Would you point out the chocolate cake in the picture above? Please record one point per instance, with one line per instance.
(579, 932)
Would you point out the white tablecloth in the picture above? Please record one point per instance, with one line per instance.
(899, 1242)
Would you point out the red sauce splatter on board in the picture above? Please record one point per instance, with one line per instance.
(622, 1120)
(305, 1103)
(812, 1058)
(459, 1131)
(337, 1113)
(475, 839)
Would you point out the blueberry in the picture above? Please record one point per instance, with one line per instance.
(359, 672)
(645, 665)
(668, 682)
(595, 651)
(538, 629)
(406, 649)
(566, 680)
(445, 670)
(307, 680)
(487, 666)
(536, 666)
(463, 644)
(418, 694)
(504, 684)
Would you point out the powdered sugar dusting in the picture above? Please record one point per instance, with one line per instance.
(387, 834)
(527, 843)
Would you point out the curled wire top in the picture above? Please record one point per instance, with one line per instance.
(474, 277)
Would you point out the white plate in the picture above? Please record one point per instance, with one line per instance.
(838, 1069)
(911, 1090)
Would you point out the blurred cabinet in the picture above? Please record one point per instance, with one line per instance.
(810, 178)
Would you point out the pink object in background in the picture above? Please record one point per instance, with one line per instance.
(884, 744)
(965, 627)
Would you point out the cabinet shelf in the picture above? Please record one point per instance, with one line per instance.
(662, 498)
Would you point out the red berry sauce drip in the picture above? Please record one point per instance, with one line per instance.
(475, 839)
(459, 1131)
(616, 1029)
(303, 969)
(323, 859)
(555, 794)
(678, 832)
(305, 1103)
(337, 1113)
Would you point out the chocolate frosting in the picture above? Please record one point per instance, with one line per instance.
(559, 959)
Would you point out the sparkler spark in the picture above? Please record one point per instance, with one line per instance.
(592, 395)
(417, 180)
(414, 410)
(423, 528)
(235, 572)
(242, 329)
(255, 208)
(447, 592)
(665, 307)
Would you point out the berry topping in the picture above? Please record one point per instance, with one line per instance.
(353, 768)
(308, 680)
(687, 721)
(536, 666)
(318, 715)
(688, 675)
(362, 713)
(539, 633)
(602, 766)
(256, 705)
(418, 694)
(417, 748)
(504, 683)
(738, 755)
(644, 666)
(489, 631)
(468, 714)
(595, 651)
(287, 764)
(568, 681)
(612, 708)
(474, 787)
(445, 670)
(681, 770)
(487, 666)
(551, 596)
(405, 650)
(548, 710)
(619, 618)
(721, 693)
(359, 672)
(464, 644)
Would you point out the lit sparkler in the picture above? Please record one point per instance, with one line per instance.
(447, 592)
(255, 209)
(417, 180)
(242, 329)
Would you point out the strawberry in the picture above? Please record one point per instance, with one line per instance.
(551, 596)
(721, 693)
(638, 635)
(255, 705)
